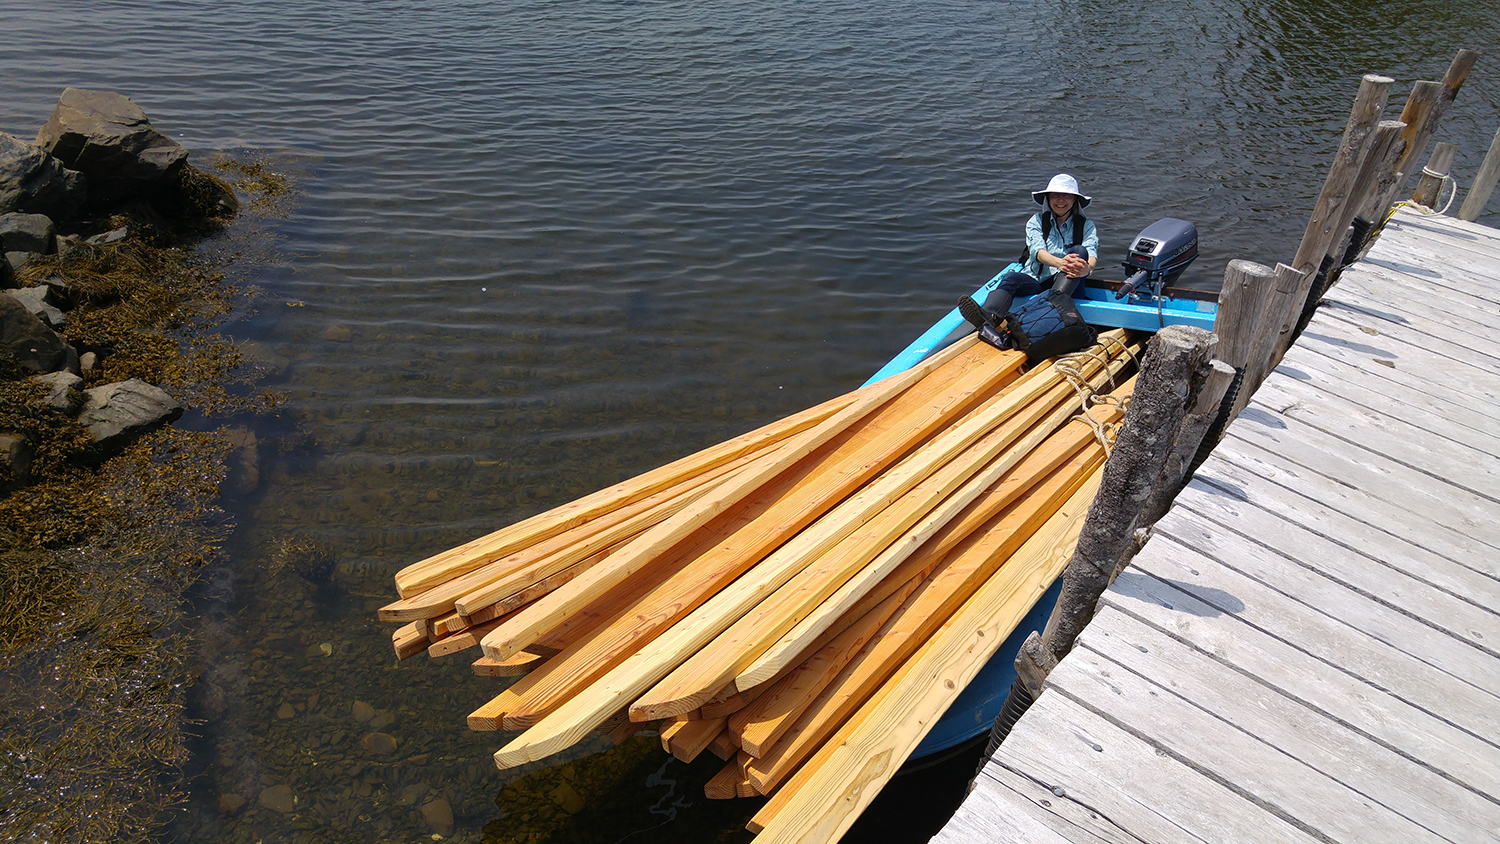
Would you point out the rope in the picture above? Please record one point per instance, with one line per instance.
(1070, 367)
(1445, 178)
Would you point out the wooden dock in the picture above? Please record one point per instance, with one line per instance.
(1308, 648)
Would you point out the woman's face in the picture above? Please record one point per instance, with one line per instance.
(1060, 203)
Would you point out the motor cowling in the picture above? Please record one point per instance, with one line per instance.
(1162, 251)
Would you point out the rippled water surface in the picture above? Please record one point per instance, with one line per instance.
(539, 247)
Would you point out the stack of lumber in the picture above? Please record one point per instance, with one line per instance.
(804, 600)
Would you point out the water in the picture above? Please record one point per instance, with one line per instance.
(541, 247)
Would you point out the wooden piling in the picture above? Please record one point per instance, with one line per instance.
(1176, 360)
(1484, 183)
(1430, 188)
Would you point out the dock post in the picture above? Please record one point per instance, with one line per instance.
(1425, 106)
(1434, 175)
(1323, 229)
(1484, 183)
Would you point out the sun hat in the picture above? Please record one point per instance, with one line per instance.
(1061, 183)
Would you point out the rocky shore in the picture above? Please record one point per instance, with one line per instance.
(107, 510)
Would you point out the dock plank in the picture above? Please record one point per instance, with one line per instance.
(1380, 371)
(1121, 647)
(1369, 470)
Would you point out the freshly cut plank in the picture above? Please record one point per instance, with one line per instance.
(763, 722)
(571, 720)
(409, 640)
(971, 566)
(515, 666)
(555, 607)
(497, 580)
(866, 554)
(440, 568)
(716, 557)
(733, 601)
(828, 793)
(1037, 456)
(694, 737)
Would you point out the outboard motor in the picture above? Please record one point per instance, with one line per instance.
(1159, 255)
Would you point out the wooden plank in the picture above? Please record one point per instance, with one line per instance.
(694, 738)
(1120, 651)
(761, 724)
(1295, 584)
(724, 747)
(439, 568)
(514, 666)
(1373, 510)
(1478, 626)
(1433, 741)
(867, 554)
(1006, 807)
(1370, 361)
(830, 791)
(725, 784)
(1370, 471)
(1458, 377)
(409, 640)
(794, 643)
(1384, 294)
(986, 366)
(1009, 544)
(641, 663)
(1439, 340)
(501, 578)
(1370, 387)
(1328, 637)
(1218, 479)
(1215, 746)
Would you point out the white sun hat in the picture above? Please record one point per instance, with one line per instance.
(1061, 183)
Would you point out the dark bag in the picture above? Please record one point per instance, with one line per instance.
(1048, 325)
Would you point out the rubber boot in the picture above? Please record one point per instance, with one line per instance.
(1066, 285)
(998, 304)
(971, 311)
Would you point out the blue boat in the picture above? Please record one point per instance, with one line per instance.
(1143, 302)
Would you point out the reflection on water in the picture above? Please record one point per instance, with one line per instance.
(539, 248)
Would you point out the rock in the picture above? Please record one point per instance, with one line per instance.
(66, 391)
(86, 361)
(17, 260)
(28, 344)
(382, 720)
(244, 457)
(106, 137)
(66, 243)
(568, 799)
(15, 462)
(7, 274)
(230, 804)
(418, 759)
(33, 182)
(379, 743)
(362, 711)
(115, 412)
(38, 302)
(286, 711)
(279, 798)
(109, 237)
(27, 232)
(439, 817)
(413, 794)
(338, 333)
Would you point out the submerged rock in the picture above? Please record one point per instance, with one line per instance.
(439, 816)
(279, 798)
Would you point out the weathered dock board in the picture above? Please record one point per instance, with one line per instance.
(1308, 649)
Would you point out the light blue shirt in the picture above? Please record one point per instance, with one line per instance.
(1057, 243)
